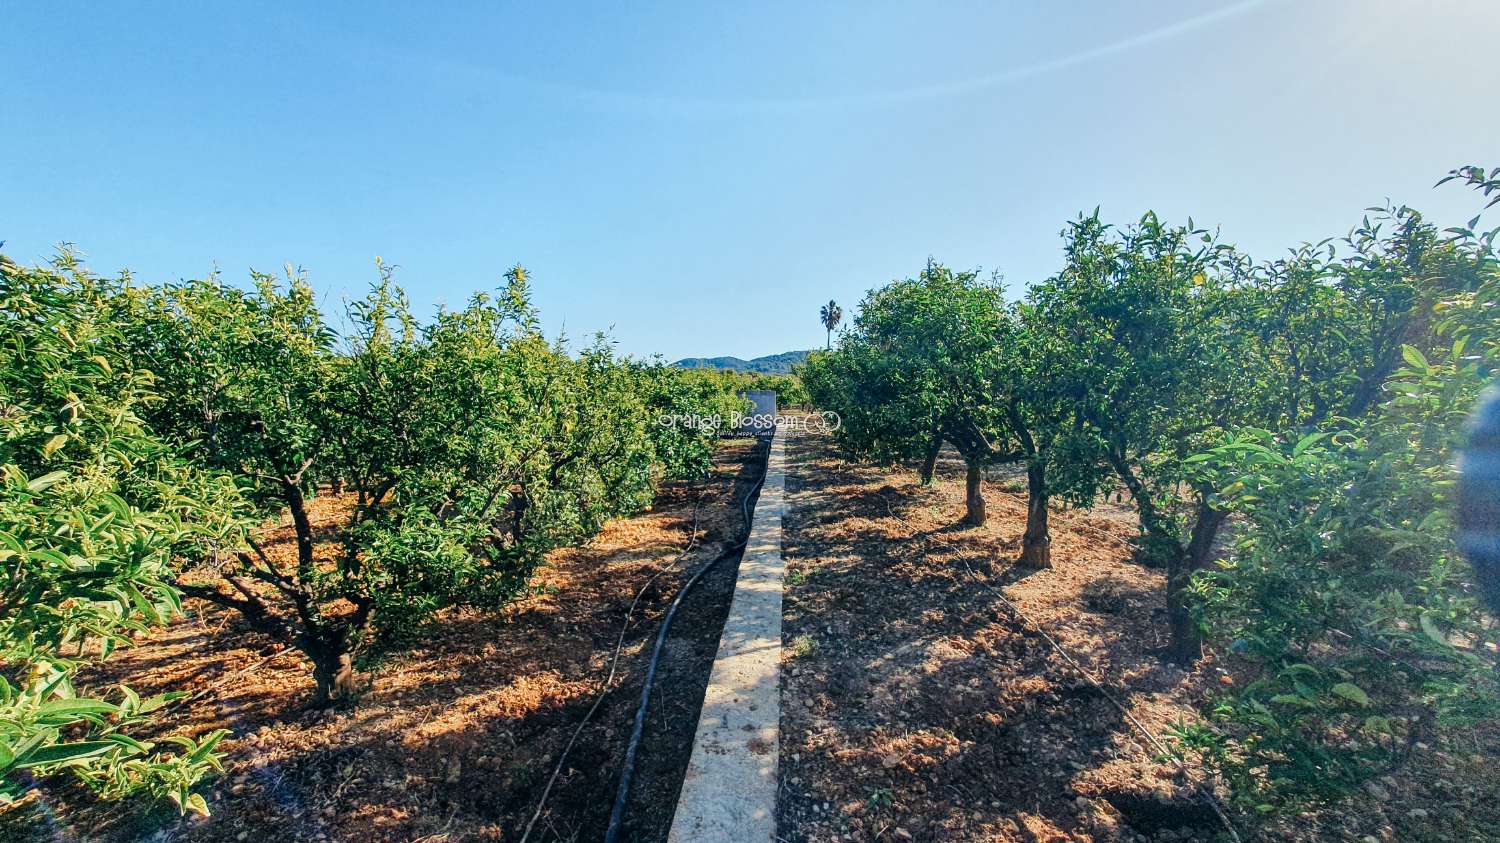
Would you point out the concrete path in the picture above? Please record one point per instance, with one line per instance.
(729, 791)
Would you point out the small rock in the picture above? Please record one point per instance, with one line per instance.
(1377, 791)
(1417, 813)
(455, 771)
(903, 833)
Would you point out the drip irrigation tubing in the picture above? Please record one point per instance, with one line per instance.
(609, 679)
(627, 769)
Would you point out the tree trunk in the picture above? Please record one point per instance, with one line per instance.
(333, 667)
(974, 514)
(303, 525)
(929, 460)
(1157, 547)
(1036, 542)
(1187, 639)
(328, 650)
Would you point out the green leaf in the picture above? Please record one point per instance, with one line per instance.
(135, 746)
(207, 745)
(196, 804)
(1351, 692)
(73, 708)
(1414, 357)
(54, 443)
(45, 481)
(1308, 441)
(66, 752)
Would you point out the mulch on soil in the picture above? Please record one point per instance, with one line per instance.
(916, 708)
(456, 737)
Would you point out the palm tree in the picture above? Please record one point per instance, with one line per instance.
(830, 314)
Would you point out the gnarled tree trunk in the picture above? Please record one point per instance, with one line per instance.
(1187, 640)
(929, 460)
(1036, 542)
(974, 514)
(1157, 546)
(333, 670)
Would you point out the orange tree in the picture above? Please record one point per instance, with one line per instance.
(915, 370)
(96, 513)
(1144, 348)
(943, 359)
(466, 448)
(1343, 595)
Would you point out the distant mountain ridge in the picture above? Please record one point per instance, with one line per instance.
(771, 364)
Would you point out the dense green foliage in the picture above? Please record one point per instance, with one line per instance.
(470, 447)
(95, 514)
(1286, 433)
(1342, 595)
(915, 370)
(789, 389)
(152, 434)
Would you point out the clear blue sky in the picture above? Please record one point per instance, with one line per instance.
(699, 177)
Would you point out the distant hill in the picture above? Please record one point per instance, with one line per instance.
(771, 364)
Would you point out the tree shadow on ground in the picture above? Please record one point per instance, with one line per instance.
(458, 735)
(918, 701)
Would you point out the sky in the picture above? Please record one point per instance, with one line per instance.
(696, 179)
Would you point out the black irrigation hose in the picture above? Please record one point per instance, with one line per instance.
(614, 665)
(627, 771)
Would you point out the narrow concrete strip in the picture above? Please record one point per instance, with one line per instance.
(729, 791)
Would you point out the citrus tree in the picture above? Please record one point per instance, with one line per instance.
(1147, 352)
(673, 396)
(1343, 597)
(1040, 414)
(918, 369)
(462, 450)
(96, 511)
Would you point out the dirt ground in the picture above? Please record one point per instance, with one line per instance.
(916, 708)
(457, 737)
